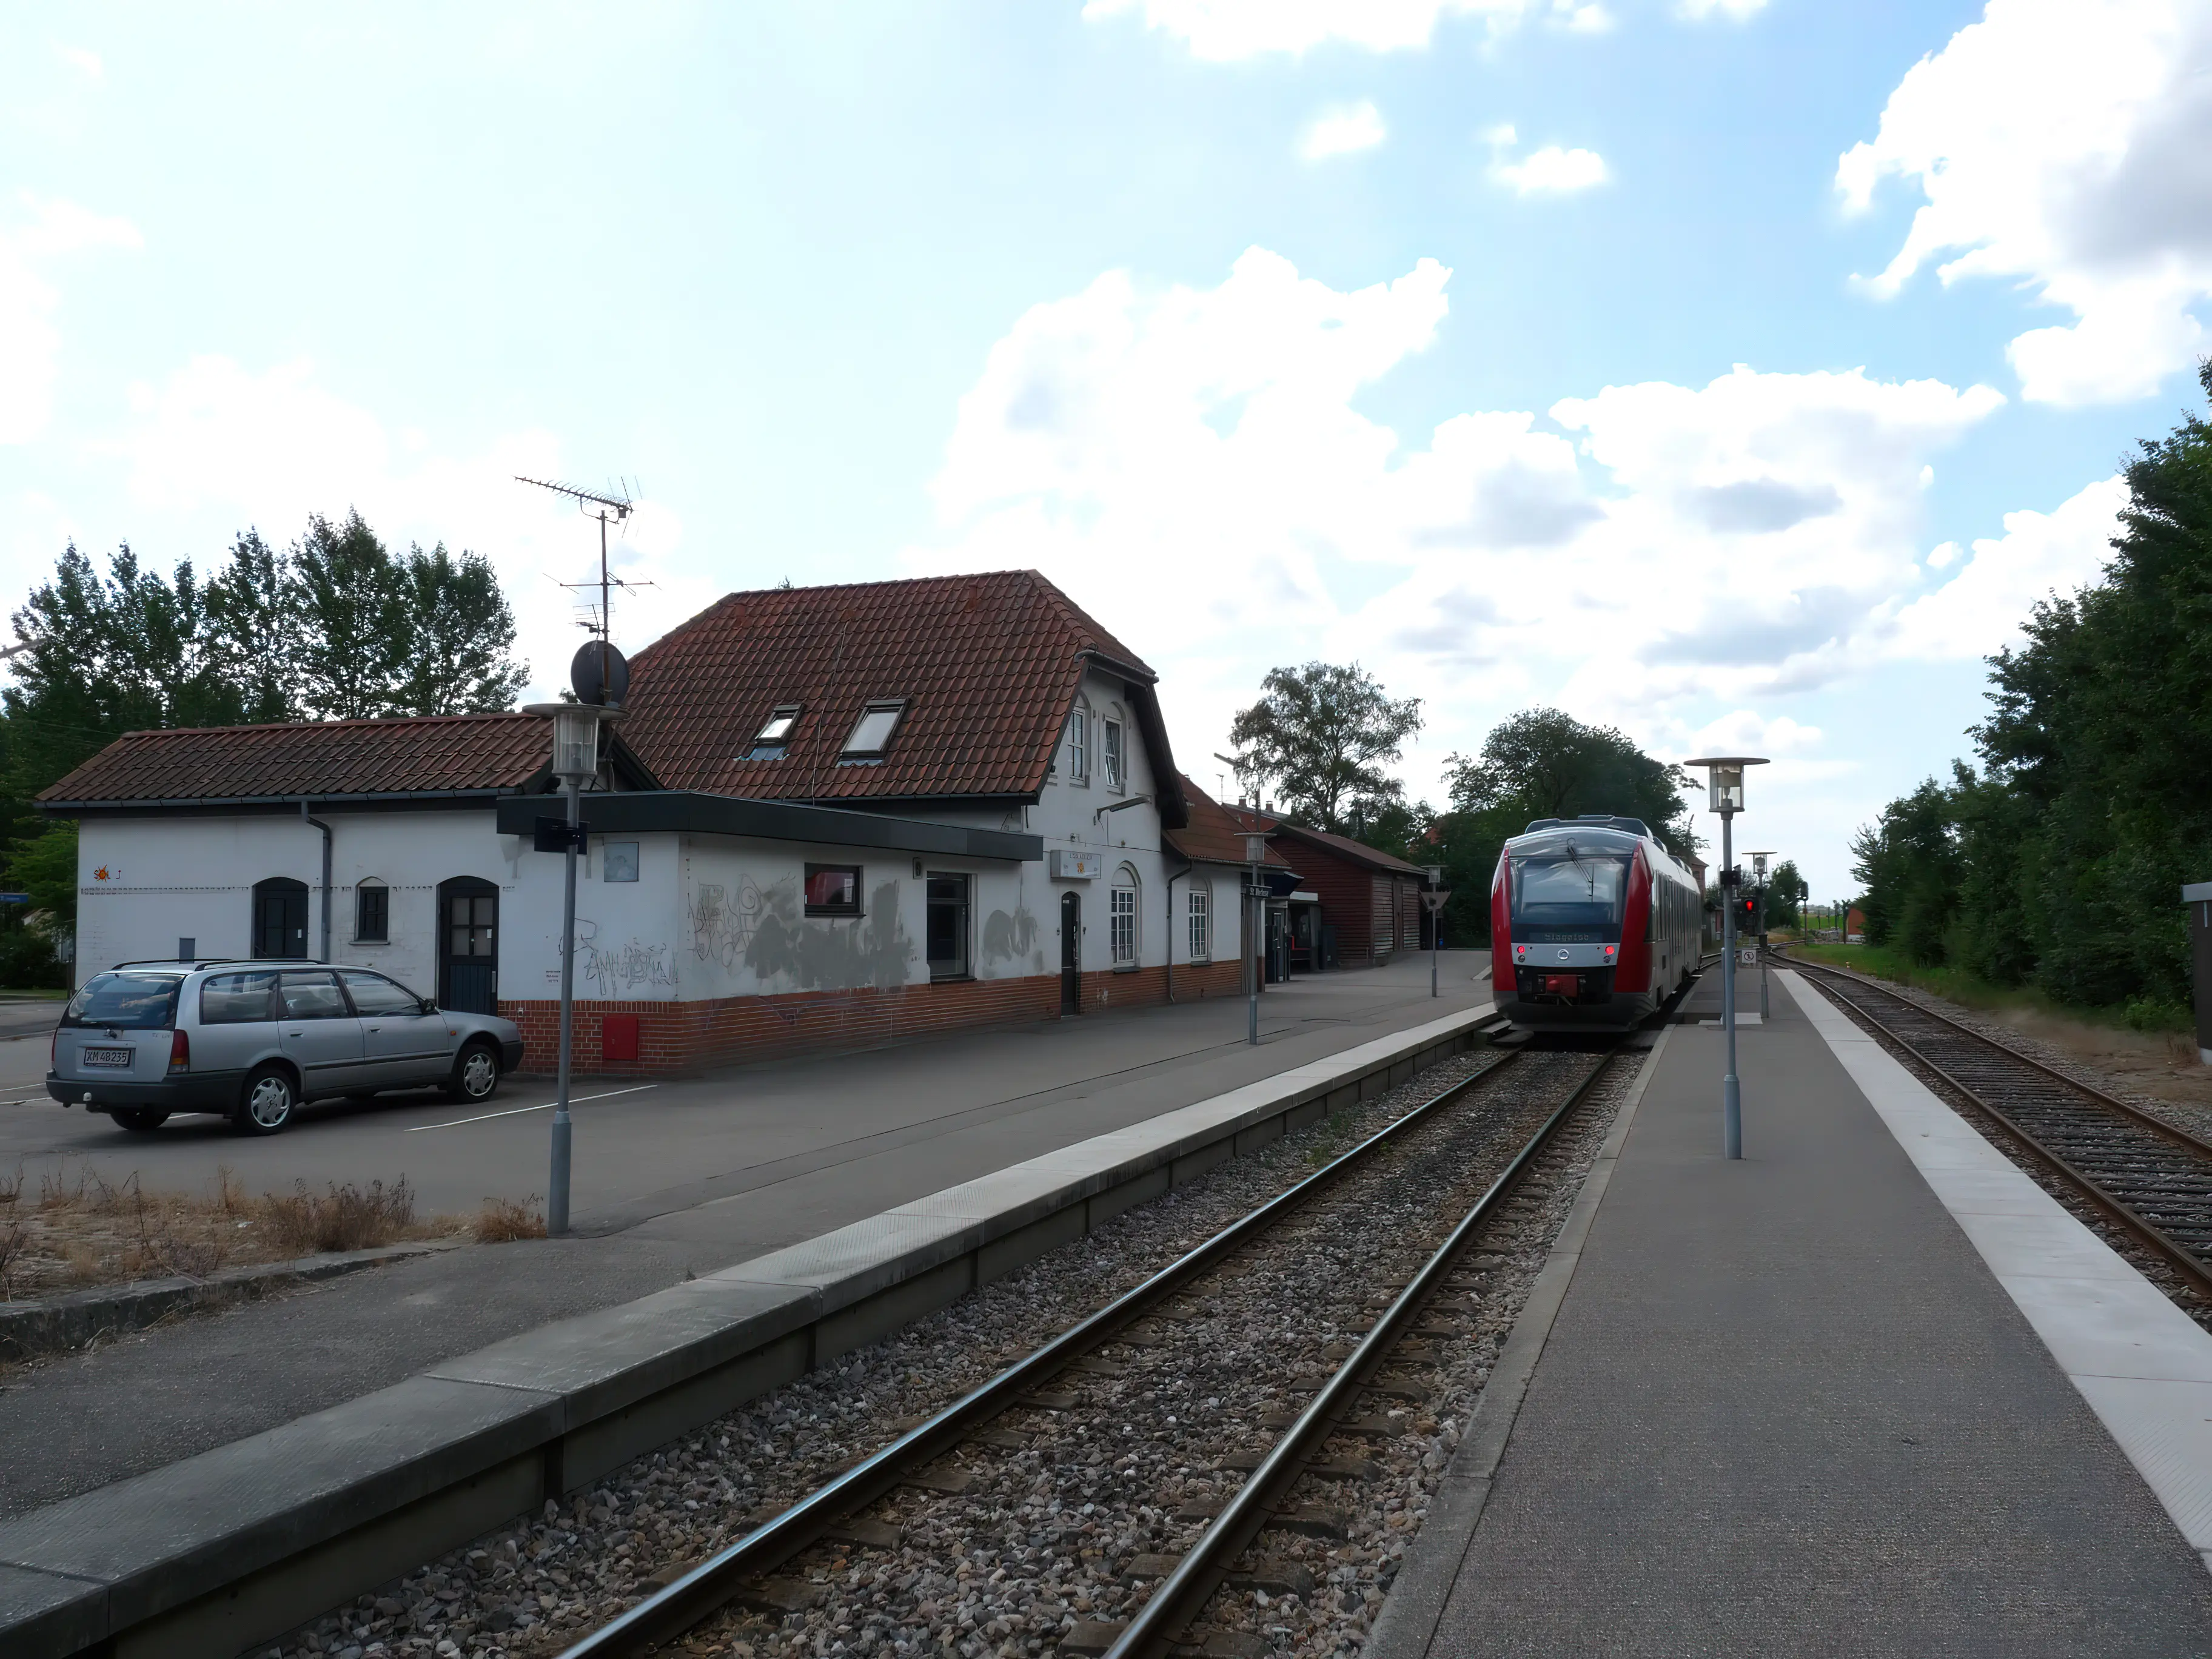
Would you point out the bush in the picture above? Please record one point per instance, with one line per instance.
(27, 962)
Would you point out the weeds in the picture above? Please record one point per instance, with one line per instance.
(348, 1217)
(84, 1229)
(502, 1221)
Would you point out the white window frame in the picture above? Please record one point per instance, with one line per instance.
(1201, 912)
(1121, 909)
(893, 707)
(1113, 759)
(1076, 735)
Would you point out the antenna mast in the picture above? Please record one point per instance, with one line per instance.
(602, 508)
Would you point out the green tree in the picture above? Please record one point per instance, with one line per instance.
(461, 635)
(353, 649)
(1545, 763)
(1786, 890)
(1320, 734)
(254, 620)
(1541, 763)
(1911, 862)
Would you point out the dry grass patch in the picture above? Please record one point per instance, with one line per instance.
(501, 1220)
(79, 1229)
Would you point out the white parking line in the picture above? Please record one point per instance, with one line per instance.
(512, 1111)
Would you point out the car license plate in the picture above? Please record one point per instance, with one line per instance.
(105, 1056)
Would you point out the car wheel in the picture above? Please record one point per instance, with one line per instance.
(141, 1119)
(265, 1105)
(476, 1074)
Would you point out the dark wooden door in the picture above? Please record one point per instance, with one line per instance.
(280, 918)
(1071, 953)
(468, 946)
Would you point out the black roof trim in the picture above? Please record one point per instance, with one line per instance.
(696, 812)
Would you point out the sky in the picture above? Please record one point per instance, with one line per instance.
(1737, 373)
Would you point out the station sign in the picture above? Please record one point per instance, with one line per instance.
(1075, 863)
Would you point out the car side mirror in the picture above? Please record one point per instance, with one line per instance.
(429, 1005)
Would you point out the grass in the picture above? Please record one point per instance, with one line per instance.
(1971, 991)
(78, 1231)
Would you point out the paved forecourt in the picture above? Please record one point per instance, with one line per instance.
(1869, 1390)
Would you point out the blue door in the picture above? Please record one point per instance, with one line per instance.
(468, 946)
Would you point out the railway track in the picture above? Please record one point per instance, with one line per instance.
(1144, 1414)
(2149, 1178)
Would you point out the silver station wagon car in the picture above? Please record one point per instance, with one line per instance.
(253, 1041)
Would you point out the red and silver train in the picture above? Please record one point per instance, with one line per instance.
(1593, 924)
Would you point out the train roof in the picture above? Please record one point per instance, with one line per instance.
(1594, 832)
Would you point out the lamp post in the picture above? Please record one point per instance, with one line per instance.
(1436, 874)
(1256, 855)
(575, 758)
(1724, 779)
(1758, 876)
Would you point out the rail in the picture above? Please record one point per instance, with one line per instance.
(689, 1600)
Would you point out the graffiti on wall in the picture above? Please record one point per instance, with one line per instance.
(722, 923)
(621, 968)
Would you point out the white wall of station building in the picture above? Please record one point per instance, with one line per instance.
(708, 917)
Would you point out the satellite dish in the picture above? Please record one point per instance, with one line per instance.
(599, 674)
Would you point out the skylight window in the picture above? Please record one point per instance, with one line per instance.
(872, 735)
(769, 745)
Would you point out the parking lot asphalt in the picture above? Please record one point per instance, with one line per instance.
(683, 1176)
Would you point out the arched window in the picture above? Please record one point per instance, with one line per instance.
(1121, 919)
(1201, 920)
(372, 913)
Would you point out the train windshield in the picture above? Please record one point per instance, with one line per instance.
(1563, 886)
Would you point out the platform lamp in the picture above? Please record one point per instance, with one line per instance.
(1256, 923)
(1724, 779)
(1434, 899)
(1759, 877)
(575, 759)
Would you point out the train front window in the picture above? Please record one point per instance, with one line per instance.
(1564, 890)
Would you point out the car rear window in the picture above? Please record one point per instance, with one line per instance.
(236, 998)
(127, 1001)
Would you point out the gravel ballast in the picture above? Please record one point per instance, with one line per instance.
(1057, 1518)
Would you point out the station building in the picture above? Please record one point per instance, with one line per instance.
(828, 817)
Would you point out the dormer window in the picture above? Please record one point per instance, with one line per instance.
(873, 733)
(776, 734)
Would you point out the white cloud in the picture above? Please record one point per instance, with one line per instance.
(1223, 31)
(84, 62)
(2066, 143)
(1978, 611)
(1551, 170)
(1341, 132)
(30, 340)
(268, 449)
(1699, 10)
(1192, 464)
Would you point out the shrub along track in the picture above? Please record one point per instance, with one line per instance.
(2140, 1183)
(1261, 1416)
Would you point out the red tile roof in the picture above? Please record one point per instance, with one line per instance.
(1343, 846)
(459, 752)
(1213, 835)
(987, 666)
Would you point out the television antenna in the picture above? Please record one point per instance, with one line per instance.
(605, 508)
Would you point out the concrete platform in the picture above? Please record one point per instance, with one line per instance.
(1812, 1403)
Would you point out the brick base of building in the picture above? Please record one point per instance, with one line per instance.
(644, 1038)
